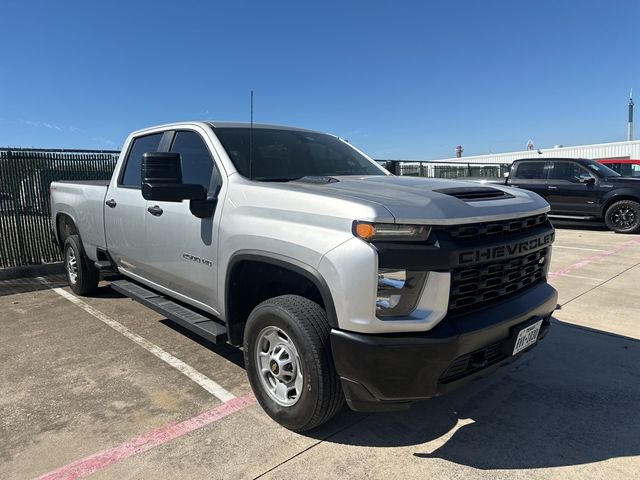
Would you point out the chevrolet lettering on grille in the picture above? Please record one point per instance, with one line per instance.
(504, 251)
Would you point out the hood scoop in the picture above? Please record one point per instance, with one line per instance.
(475, 194)
(318, 180)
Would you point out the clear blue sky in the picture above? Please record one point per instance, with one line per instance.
(398, 79)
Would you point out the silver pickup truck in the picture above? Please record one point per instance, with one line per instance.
(339, 280)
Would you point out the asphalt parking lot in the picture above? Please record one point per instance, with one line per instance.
(105, 387)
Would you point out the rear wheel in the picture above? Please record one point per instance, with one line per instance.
(287, 355)
(82, 275)
(623, 217)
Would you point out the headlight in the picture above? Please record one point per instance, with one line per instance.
(398, 291)
(390, 232)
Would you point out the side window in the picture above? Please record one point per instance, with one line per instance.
(197, 164)
(531, 171)
(635, 170)
(132, 175)
(568, 171)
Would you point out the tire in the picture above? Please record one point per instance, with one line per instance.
(82, 275)
(623, 217)
(292, 329)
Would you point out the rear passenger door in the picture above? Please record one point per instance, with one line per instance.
(125, 209)
(531, 176)
(182, 249)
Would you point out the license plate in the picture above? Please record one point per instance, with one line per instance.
(527, 337)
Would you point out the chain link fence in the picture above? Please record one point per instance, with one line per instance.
(25, 176)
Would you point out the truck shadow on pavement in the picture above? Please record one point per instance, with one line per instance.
(573, 400)
(31, 284)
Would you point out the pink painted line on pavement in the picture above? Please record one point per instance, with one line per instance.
(594, 258)
(147, 441)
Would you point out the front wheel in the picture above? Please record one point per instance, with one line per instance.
(623, 217)
(287, 355)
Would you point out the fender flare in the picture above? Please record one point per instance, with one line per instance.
(289, 263)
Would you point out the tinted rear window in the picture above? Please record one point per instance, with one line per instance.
(132, 176)
(531, 170)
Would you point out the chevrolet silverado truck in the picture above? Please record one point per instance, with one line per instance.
(581, 189)
(339, 280)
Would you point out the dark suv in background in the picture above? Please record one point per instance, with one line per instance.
(581, 189)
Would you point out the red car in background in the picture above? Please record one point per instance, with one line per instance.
(624, 166)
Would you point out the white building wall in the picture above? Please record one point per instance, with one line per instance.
(597, 151)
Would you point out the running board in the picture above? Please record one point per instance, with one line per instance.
(203, 326)
(573, 217)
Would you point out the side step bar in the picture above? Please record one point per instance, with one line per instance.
(572, 217)
(203, 326)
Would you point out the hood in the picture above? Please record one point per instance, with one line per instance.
(424, 200)
(631, 181)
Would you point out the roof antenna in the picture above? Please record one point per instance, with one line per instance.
(251, 141)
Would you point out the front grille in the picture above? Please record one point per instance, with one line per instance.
(473, 362)
(477, 231)
(486, 282)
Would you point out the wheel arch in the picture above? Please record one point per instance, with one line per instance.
(616, 196)
(293, 277)
(65, 226)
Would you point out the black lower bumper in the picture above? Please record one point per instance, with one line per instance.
(390, 371)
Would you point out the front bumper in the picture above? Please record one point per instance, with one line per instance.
(382, 372)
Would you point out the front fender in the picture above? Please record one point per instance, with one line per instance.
(618, 194)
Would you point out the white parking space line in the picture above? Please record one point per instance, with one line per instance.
(187, 370)
(580, 248)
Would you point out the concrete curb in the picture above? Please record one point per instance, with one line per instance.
(31, 271)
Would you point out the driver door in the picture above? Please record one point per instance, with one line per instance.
(568, 193)
(182, 249)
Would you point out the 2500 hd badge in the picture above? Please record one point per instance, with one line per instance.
(505, 251)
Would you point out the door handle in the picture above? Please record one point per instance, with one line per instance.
(155, 210)
(551, 187)
(111, 203)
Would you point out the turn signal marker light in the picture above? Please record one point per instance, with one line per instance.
(365, 231)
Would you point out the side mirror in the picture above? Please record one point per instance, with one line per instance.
(587, 179)
(162, 179)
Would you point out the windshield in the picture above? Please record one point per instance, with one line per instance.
(601, 169)
(282, 155)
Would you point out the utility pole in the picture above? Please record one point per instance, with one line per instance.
(630, 122)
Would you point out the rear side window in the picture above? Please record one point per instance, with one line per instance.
(531, 171)
(132, 176)
(197, 164)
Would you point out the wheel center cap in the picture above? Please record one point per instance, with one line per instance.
(273, 365)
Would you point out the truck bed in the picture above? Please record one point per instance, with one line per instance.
(83, 201)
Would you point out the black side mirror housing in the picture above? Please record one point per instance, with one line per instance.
(587, 180)
(162, 179)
